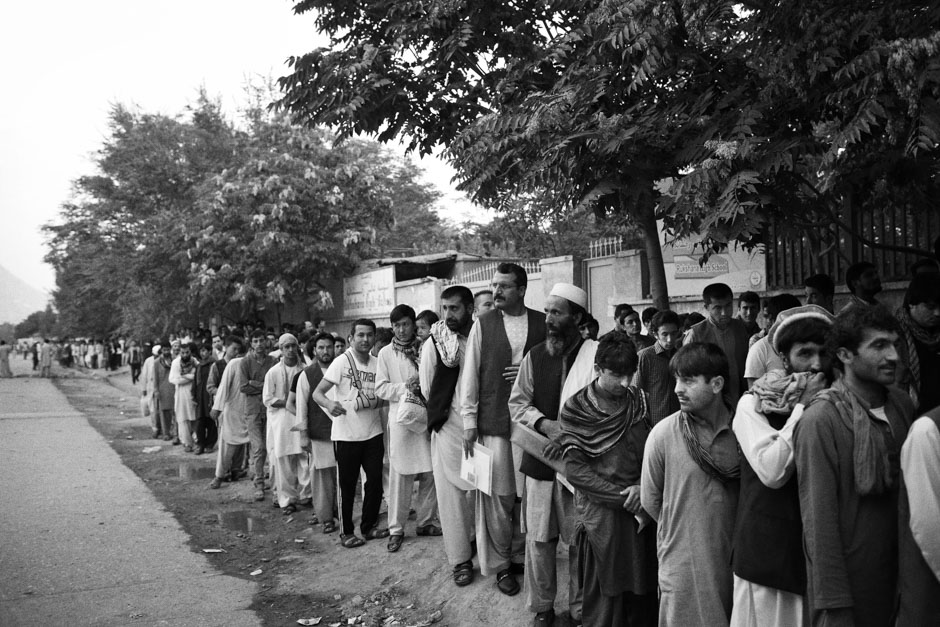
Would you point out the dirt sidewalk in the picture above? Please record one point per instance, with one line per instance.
(304, 573)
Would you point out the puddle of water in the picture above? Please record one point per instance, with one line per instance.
(243, 520)
(190, 472)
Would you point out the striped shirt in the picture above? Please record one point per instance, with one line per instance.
(653, 377)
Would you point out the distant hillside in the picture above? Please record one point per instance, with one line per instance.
(18, 298)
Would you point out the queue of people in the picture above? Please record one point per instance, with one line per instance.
(710, 471)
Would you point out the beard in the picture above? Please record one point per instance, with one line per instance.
(558, 337)
(555, 344)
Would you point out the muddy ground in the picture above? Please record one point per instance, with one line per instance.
(303, 572)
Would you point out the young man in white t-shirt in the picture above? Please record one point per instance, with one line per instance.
(357, 431)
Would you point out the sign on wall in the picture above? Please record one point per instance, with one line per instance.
(369, 295)
(740, 269)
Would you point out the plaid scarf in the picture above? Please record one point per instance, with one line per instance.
(448, 344)
(588, 428)
(912, 334)
(702, 457)
(409, 350)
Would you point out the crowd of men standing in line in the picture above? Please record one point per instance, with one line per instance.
(730, 474)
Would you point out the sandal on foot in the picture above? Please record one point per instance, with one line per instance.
(463, 573)
(375, 533)
(290, 509)
(429, 530)
(394, 543)
(351, 541)
(506, 583)
(329, 527)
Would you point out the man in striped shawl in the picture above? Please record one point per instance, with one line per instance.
(604, 427)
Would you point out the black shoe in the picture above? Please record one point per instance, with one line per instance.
(517, 568)
(544, 619)
(506, 583)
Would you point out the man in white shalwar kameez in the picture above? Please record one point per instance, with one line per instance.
(146, 390)
(286, 448)
(409, 446)
(228, 408)
(182, 375)
(549, 374)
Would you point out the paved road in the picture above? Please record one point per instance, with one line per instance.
(82, 540)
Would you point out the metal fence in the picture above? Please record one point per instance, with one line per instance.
(790, 259)
(485, 273)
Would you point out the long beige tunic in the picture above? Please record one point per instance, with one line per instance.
(409, 453)
(695, 514)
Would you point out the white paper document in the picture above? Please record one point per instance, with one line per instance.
(478, 470)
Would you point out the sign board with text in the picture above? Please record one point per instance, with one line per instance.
(368, 295)
(686, 276)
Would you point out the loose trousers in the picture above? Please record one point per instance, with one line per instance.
(323, 488)
(401, 488)
(455, 505)
(167, 418)
(291, 478)
(206, 432)
(229, 458)
(549, 515)
(257, 437)
(350, 458)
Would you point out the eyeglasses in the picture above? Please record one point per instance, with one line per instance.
(500, 287)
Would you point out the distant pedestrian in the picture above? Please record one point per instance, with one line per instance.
(5, 372)
(45, 359)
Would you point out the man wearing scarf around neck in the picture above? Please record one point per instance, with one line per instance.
(551, 372)
(409, 447)
(182, 375)
(603, 431)
(919, 366)
(769, 567)
(442, 357)
(690, 488)
(287, 448)
(847, 464)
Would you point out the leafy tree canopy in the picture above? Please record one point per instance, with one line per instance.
(192, 215)
(714, 116)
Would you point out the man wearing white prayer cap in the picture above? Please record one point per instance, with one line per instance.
(286, 449)
(550, 373)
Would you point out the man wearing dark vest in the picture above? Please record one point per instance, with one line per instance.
(318, 427)
(919, 537)
(847, 447)
(442, 357)
(767, 560)
(550, 373)
(507, 333)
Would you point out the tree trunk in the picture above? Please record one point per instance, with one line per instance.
(654, 257)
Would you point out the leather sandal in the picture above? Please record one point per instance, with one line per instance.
(375, 533)
(429, 530)
(394, 543)
(463, 573)
(329, 527)
(351, 541)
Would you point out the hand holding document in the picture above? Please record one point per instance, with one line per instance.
(478, 469)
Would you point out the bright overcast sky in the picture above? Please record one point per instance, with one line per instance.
(64, 63)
